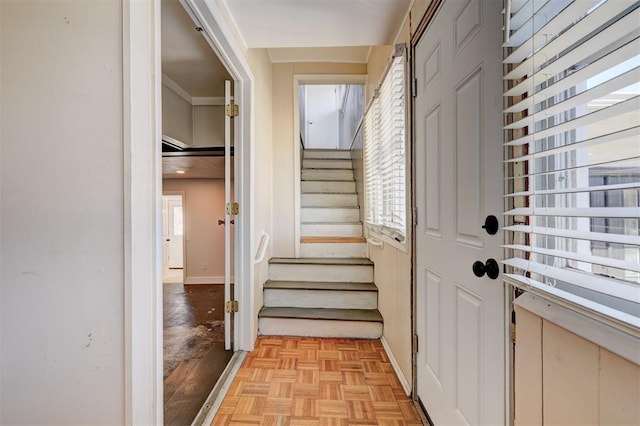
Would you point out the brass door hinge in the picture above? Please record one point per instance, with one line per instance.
(233, 208)
(232, 110)
(231, 306)
(415, 343)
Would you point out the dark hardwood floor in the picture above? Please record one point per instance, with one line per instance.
(194, 355)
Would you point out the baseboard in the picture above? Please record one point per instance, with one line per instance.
(396, 367)
(205, 280)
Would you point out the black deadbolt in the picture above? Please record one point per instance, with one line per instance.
(490, 267)
(491, 225)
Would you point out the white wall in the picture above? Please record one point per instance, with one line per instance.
(264, 209)
(62, 189)
(208, 125)
(203, 205)
(177, 117)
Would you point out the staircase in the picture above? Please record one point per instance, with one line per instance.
(329, 290)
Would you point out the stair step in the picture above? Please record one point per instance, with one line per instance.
(343, 154)
(327, 174)
(328, 200)
(322, 314)
(321, 269)
(333, 247)
(344, 229)
(333, 240)
(328, 186)
(320, 285)
(329, 214)
(327, 295)
(317, 322)
(326, 163)
(319, 261)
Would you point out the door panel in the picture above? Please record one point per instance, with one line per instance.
(468, 159)
(176, 234)
(460, 317)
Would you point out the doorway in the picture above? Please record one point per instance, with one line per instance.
(197, 185)
(172, 238)
(460, 315)
(329, 114)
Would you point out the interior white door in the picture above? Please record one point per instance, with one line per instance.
(460, 318)
(322, 115)
(176, 232)
(227, 216)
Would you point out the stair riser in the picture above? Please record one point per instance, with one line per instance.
(331, 230)
(329, 200)
(312, 174)
(289, 298)
(319, 328)
(335, 154)
(315, 273)
(328, 186)
(333, 250)
(326, 164)
(311, 214)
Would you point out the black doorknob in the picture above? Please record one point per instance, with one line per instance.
(491, 225)
(490, 267)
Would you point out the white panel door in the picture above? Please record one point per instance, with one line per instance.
(322, 114)
(227, 217)
(176, 232)
(460, 317)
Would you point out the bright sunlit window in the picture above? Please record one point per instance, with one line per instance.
(574, 154)
(385, 156)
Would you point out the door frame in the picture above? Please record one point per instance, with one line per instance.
(142, 119)
(420, 30)
(301, 80)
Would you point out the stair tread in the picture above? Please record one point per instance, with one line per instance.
(372, 315)
(328, 169)
(329, 207)
(329, 181)
(329, 239)
(321, 261)
(329, 193)
(326, 150)
(309, 285)
(351, 222)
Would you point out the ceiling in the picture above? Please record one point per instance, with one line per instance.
(187, 58)
(193, 167)
(317, 23)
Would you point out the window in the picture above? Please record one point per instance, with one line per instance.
(385, 155)
(573, 153)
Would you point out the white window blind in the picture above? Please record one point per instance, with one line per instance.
(573, 152)
(385, 157)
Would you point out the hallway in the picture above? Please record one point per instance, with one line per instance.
(313, 381)
(194, 355)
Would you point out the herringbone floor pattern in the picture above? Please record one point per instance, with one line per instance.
(311, 381)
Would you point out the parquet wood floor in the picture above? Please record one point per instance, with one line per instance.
(311, 381)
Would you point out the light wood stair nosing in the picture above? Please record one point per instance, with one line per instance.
(321, 261)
